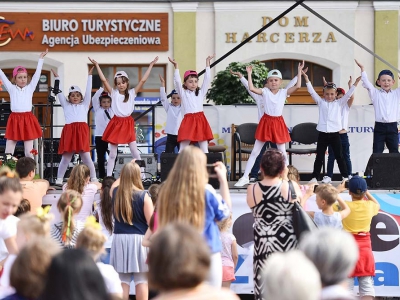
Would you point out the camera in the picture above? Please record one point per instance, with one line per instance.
(141, 163)
(315, 188)
(211, 170)
(346, 184)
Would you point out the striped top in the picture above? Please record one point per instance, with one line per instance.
(56, 234)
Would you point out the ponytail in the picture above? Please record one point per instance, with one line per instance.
(70, 203)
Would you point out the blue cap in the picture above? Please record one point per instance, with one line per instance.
(357, 185)
(384, 72)
(174, 92)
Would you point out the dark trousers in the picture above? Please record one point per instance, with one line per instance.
(257, 163)
(324, 140)
(386, 133)
(172, 142)
(101, 149)
(344, 139)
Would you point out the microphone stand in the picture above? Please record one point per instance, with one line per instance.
(52, 100)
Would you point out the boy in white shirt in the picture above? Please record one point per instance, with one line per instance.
(386, 105)
(329, 125)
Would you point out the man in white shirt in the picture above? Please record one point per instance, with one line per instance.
(329, 125)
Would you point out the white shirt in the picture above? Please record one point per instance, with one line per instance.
(190, 102)
(330, 113)
(5, 277)
(111, 278)
(8, 228)
(345, 117)
(21, 99)
(174, 115)
(273, 103)
(386, 105)
(258, 98)
(89, 191)
(12, 221)
(323, 220)
(121, 108)
(76, 112)
(100, 118)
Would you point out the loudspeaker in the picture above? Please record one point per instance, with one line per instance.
(168, 159)
(383, 171)
(5, 112)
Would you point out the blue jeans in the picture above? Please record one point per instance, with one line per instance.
(344, 139)
(257, 163)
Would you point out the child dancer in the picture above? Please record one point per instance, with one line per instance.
(174, 117)
(329, 125)
(22, 125)
(229, 253)
(272, 126)
(66, 232)
(103, 113)
(386, 105)
(344, 139)
(75, 134)
(121, 129)
(92, 239)
(194, 126)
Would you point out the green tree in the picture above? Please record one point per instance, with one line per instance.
(227, 89)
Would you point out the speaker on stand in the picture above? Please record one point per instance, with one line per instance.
(383, 171)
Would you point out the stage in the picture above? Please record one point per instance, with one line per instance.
(385, 237)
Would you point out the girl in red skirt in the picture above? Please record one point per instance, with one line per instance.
(22, 125)
(121, 129)
(272, 126)
(194, 126)
(75, 134)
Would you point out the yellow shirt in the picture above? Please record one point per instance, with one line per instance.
(359, 219)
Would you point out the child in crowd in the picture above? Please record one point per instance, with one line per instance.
(326, 196)
(30, 227)
(307, 190)
(174, 117)
(79, 181)
(344, 139)
(29, 271)
(75, 134)
(386, 105)
(121, 129)
(104, 213)
(153, 224)
(194, 126)
(10, 198)
(272, 126)
(329, 125)
(358, 223)
(92, 239)
(66, 232)
(229, 253)
(33, 189)
(22, 125)
(103, 113)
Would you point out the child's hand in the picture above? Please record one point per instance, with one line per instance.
(208, 59)
(357, 80)
(220, 169)
(93, 61)
(173, 61)
(236, 74)
(91, 70)
(301, 66)
(43, 54)
(325, 82)
(360, 65)
(54, 73)
(304, 75)
(162, 80)
(249, 69)
(154, 61)
(350, 82)
(340, 188)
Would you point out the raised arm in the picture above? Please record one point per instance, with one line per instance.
(207, 77)
(35, 78)
(177, 78)
(351, 100)
(253, 89)
(366, 83)
(88, 91)
(60, 96)
(300, 68)
(371, 198)
(163, 94)
(310, 89)
(345, 209)
(245, 83)
(107, 86)
(146, 75)
(349, 93)
(96, 99)
(5, 81)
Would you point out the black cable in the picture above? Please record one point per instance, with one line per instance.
(349, 37)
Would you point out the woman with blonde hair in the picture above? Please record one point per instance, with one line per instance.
(186, 197)
(79, 181)
(133, 209)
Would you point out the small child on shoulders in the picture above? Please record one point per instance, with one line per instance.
(326, 196)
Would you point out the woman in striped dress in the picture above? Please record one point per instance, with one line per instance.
(272, 207)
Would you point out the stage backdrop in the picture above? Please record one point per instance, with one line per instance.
(221, 118)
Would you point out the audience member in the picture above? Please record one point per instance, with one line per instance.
(179, 263)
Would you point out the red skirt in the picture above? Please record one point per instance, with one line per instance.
(74, 138)
(120, 130)
(272, 129)
(366, 263)
(195, 128)
(22, 127)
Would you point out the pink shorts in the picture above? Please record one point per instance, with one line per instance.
(228, 274)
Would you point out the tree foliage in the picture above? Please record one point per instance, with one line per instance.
(227, 88)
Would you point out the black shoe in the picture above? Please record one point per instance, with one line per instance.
(253, 180)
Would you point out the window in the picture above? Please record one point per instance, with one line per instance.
(135, 73)
(315, 73)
